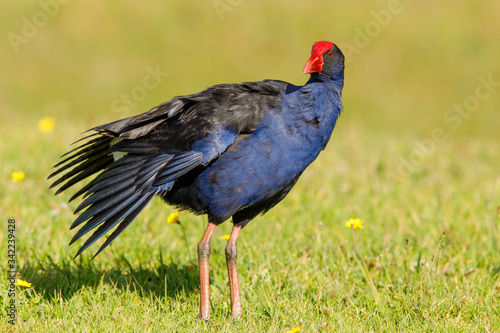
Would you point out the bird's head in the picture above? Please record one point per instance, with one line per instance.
(325, 58)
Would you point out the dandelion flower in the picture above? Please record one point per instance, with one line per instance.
(173, 218)
(23, 283)
(354, 223)
(225, 237)
(17, 176)
(46, 125)
(295, 330)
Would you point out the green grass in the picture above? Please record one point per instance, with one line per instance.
(297, 264)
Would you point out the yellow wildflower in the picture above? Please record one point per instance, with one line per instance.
(295, 330)
(17, 176)
(23, 283)
(225, 237)
(354, 223)
(173, 218)
(46, 125)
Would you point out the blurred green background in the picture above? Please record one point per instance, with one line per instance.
(425, 57)
(408, 63)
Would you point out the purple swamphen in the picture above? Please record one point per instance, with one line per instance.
(232, 150)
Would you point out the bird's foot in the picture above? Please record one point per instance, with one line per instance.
(236, 315)
(199, 318)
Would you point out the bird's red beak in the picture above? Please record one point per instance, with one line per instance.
(315, 62)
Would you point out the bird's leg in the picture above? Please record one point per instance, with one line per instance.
(204, 249)
(231, 255)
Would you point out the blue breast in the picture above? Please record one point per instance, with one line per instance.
(265, 161)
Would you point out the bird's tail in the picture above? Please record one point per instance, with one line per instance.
(122, 188)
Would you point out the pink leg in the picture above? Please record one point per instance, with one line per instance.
(204, 249)
(234, 288)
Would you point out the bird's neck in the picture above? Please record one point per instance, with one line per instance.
(320, 97)
(323, 88)
(333, 81)
(319, 100)
(311, 111)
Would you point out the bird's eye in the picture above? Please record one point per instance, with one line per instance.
(330, 53)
